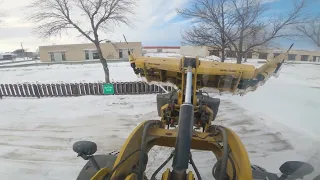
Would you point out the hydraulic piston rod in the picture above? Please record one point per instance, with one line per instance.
(183, 142)
(189, 86)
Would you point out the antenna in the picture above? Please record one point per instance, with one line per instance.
(129, 52)
(125, 39)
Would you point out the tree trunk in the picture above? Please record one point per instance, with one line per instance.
(103, 62)
(223, 56)
(239, 57)
(245, 57)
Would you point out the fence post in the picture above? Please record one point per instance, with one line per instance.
(8, 90)
(82, 91)
(49, 88)
(63, 90)
(45, 90)
(58, 86)
(95, 88)
(36, 90)
(40, 90)
(12, 90)
(26, 91)
(86, 88)
(73, 90)
(68, 90)
(3, 90)
(101, 88)
(15, 86)
(91, 89)
(21, 90)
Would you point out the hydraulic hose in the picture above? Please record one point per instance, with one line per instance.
(153, 177)
(225, 153)
(143, 146)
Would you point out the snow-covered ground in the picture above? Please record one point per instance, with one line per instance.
(15, 60)
(292, 99)
(67, 73)
(37, 135)
(20, 63)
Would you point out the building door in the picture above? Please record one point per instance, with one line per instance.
(120, 54)
(304, 57)
(316, 58)
(58, 56)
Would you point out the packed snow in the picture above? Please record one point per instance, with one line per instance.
(119, 72)
(16, 60)
(278, 122)
(37, 135)
(292, 98)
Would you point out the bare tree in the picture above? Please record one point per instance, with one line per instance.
(57, 16)
(248, 14)
(242, 23)
(212, 22)
(311, 30)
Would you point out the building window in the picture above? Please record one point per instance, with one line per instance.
(263, 55)
(63, 56)
(249, 55)
(231, 54)
(292, 57)
(91, 54)
(276, 54)
(95, 55)
(120, 53)
(304, 57)
(214, 52)
(51, 56)
(86, 55)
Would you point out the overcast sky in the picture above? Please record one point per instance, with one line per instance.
(155, 23)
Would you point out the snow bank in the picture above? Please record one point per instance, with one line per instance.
(119, 72)
(211, 58)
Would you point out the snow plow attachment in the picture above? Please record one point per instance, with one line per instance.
(193, 112)
(212, 76)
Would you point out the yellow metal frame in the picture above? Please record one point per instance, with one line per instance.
(200, 141)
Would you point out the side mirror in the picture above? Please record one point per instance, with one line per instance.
(296, 168)
(86, 148)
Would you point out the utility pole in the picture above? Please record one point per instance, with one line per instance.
(24, 55)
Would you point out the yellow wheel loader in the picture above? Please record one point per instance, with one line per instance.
(187, 123)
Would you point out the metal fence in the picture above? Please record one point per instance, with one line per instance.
(77, 89)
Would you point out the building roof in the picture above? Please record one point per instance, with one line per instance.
(6, 53)
(161, 47)
(103, 42)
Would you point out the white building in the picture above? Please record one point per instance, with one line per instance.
(161, 49)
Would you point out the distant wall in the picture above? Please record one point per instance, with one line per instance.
(200, 51)
(161, 49)
(80, 52)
